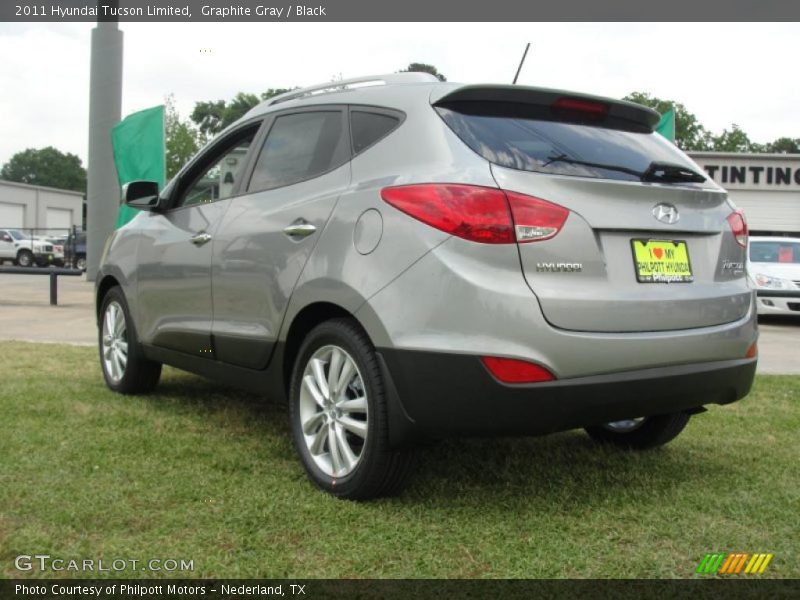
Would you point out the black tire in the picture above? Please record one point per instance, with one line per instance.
(379, 471)
(80, 263)
(651, 433)
(139, 374)
(25, 258)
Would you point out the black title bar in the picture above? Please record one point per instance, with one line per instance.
(393, 10)
(389, 589)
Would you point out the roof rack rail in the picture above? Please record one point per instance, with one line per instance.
(357, 82)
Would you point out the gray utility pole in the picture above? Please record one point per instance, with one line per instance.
(105, 111)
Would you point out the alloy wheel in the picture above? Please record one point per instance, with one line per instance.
(115, 342)
(333, 411)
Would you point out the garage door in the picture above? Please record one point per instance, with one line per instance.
(773, 211)
(12, 215)
(59, 220)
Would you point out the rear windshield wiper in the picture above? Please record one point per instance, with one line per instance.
(665, 172)
(661, 172)
(572, 161)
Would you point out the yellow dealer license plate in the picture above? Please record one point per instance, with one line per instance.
(662, 261)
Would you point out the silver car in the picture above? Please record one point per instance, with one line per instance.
(405, 259)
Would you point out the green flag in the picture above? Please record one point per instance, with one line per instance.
(666, 126)
(139, 152)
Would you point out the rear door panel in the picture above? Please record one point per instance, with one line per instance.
(299, 173)
(256, 265)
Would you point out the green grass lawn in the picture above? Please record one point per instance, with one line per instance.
(202, 472)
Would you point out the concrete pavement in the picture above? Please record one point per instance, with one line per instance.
(779, 345)
(26, 314)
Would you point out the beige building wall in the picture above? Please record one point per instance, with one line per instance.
(35, 201)
(765, 186)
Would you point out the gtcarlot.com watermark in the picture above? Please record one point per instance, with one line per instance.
(45, 562)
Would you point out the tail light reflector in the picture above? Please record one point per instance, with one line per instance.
(479, 214)
(739, 227)
(752, 351)
(511, 370)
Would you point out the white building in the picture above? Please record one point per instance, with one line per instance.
(765, 186)
(39, 207)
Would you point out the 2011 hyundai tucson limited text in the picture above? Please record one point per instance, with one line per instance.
(406, 259)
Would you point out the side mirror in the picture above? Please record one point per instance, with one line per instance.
(7, 238)
(142, 195)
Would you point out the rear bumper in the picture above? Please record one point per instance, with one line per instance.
(442, 395)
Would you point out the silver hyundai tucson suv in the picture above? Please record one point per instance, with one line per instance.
(405, 259)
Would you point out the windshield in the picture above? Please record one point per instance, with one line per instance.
(17, 234)
(775, 252)
(494, 131)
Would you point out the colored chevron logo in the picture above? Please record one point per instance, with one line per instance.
(733, 563)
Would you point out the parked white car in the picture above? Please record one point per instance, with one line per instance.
(26, 251)
(773, 265)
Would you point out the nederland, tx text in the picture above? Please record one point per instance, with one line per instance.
(299, 10)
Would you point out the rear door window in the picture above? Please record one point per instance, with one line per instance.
(503, 135)
(299, 147)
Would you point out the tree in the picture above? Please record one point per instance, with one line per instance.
(46, 166)
(424, 68)
(689, 132)
(784, 145)
(734, 140)
(213, 116)
(182, 139)
(208, 116)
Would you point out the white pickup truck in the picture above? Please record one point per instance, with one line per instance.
(25, 250)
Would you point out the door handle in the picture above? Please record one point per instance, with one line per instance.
(201, 238)
(300, 229)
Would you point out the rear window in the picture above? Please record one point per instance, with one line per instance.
(503, 135)
(775, 252)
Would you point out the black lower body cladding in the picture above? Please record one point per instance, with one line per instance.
(443, 395)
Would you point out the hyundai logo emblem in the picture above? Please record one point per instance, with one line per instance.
(666, 213)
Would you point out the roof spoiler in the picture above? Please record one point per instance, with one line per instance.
(554, 105)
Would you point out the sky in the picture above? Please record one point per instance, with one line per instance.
(725, 73)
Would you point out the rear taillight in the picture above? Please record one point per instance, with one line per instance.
(479, 214)
(739, 227)
(472, 212)
(535, 219)
(752, 351)
(511, 370)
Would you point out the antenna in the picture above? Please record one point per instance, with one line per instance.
(519, 68)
